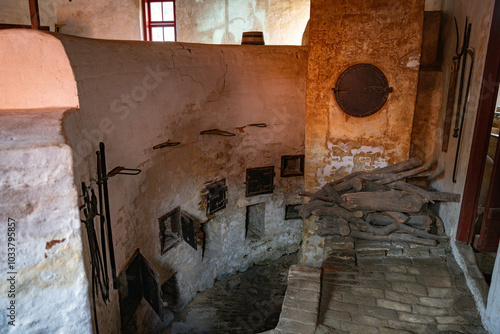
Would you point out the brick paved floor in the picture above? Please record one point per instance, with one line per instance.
(362, 294)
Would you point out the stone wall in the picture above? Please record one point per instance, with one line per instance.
(343, 34)
(135, 95)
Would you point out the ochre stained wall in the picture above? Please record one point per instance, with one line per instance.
(387, 34)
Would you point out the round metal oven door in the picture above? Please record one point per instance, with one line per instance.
(361, 90)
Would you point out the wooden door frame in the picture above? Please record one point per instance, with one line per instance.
(480, 140)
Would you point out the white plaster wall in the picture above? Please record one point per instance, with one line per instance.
(222, 21)
(110, 19)
(212, 22)
(134, 95)
(479, 15)
(18, 12)
(493, 308)
(37, 191)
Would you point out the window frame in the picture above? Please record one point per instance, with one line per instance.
(148, 25)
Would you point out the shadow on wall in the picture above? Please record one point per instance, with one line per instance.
(223, 21)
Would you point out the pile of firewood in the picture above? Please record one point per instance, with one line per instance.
(379, 205)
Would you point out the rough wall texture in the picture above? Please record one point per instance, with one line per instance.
(18, 12)
(38, 201)
(36, 72)
(111, 19)
(480, 17)
(427, 111)
(136, 95)
(224, 21)
(344, 33)
(212, 22)
(48, 285)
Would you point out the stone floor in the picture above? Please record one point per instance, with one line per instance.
(376, 288)
(376, 293)
(246, 303)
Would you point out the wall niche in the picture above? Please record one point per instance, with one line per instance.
(256, 221)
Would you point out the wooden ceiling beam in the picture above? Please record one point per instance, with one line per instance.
(34, 14)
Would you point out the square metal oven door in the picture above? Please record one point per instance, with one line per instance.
(216, 196)
(292, 165)
(291, 212)
(170, 229)
(259, 181)
(189, 232)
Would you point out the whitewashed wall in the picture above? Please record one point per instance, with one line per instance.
(48, 288)
(135, 95)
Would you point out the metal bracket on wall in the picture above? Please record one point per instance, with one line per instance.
(217, 132)
(123, 171)
(166, 144)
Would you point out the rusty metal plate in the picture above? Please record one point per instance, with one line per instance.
(361, 90)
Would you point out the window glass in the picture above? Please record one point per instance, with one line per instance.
(156, 14)
(157, 34)
(169, 34)
(168, 11)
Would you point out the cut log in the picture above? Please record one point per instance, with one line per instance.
(361, 225)
(346, 178)
(316, 196)
(327, 231)
(401, 166)
(333, 211)
(331, 193)
(382, 173)
(353, 183)
(374, 186)
(421, 220)
(422, 234)
(338, 223)
(306, 210)
(430, 196)
(338, 242)
(392, 200)
(397, 216)
(393, 237)
(349, 242)
(411, 189)
(380, 219)
(439, 225)
(402, 175)
(444, 196)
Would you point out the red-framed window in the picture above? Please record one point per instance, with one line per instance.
(159, 20)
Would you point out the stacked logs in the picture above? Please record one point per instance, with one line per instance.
(379, 205)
